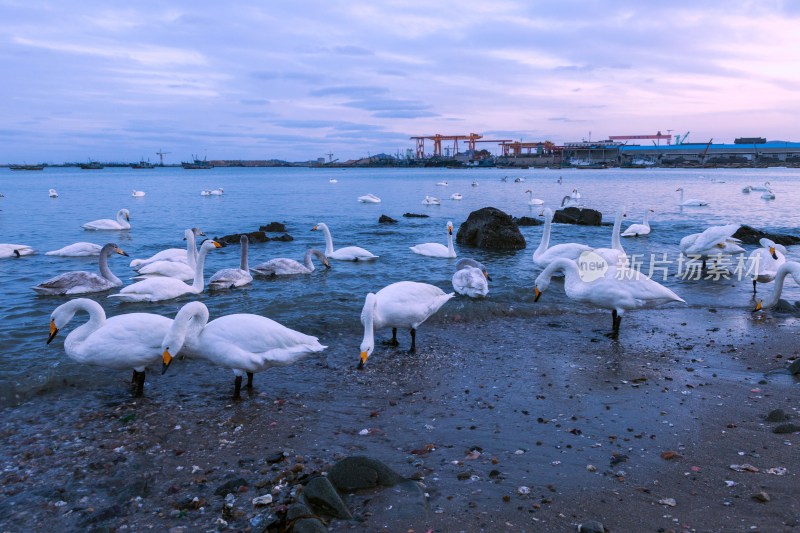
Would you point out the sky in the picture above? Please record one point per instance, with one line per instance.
(298, 80)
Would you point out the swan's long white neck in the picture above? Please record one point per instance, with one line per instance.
(646, 221)
(616, 243)
(199, 283)
(243, 261)
(104, 270)
(97, 317)
(121, 219)
(681, 189)
(191, 248)
(368, 317)
(450, 248)
(783, 271)
(548, 218)
(328, 239)
(186, 328)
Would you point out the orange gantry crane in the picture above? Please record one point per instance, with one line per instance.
(657, 137)
(437, 139)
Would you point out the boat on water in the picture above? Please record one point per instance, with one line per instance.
(197, 164)
(26, 167)
(92, 165)
(143, 164)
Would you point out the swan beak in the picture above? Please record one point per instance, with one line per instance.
(167, 357)
(216, 244)
(538, 293)
(487, 276)
(772, 253)
(328, 264)
(127, 217)
(53, 331)
(361, 363)
(120, 252)
(315, 228)
(758, 307)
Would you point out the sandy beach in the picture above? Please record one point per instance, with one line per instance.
(523, 423)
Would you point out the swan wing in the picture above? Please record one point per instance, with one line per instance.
(78, 249)
(352, 253)
(79, 282)
(12, 250)
(636, 229)
(126, 341)
(153, 290)
(471, 282)
(170, 269)
(280, 266)
(408, 304)
(229, 277)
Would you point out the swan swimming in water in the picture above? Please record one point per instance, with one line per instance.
(431, 200)
(788, 268)
(161, 288)
(205, 192)
(764, 262)
(333, 180)
(442, 184)
(471, 278)
(15, 250)
(434, 249)
(619, 294)
(532, 200)
(78, 249)
(129, 341)
(635, 230)
(121, 223)
(348, 253)
(768, 195)
(229, 278)
(82, 282)
(245, 343)
(137, 194)
(53, 193)
(369, 199)
(456, 196)
(691, 201)
(767, 185)
(217, 192)
(405, 304)
(184, 255)
(282, 266)
(545, 254)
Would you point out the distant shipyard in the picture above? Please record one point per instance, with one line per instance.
(618, 151)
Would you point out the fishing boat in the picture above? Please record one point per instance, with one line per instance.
(26, 167)
(197, 164)
(92, 165)
(143, 164)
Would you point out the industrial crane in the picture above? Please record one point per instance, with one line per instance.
(681, 140)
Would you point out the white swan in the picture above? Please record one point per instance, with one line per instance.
(619, 294)
(121, 223)
(789, 267)
(690, 201)
(434, 249)
(456, 196)
(186, 255)
(245, 343)
(130, 341)
(78, 249)
(615, 256)
(137, 194)
(532, 200)
(348, 253)
(635, 230)
(333, 180)
(53, 193)
(217, 192)
(715, 241)
(82, 282)
(545, 254)
(431, 200)
(369, 199)
(228, 278)
(768, 195)
(442, 184)
(767, 186)
(747, 189)
(205, 192)
(474, 183)
(519, 180)
(405, 304)
(282, 266)
(175, 265)
(471, 278)
(763, 263)
(15, 250)
(161, 288)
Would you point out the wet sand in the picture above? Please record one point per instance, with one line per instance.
(515, 424)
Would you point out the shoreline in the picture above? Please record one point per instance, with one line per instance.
(548, 402)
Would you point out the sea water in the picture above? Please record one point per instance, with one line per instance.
(327, 303)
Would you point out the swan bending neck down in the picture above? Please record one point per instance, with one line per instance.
(348, 253)
(82, 282)
(545, 254)
(282, 266)
(129, 341)
(764, 262)
(245, 343)
(471, 278)
(434, 249)
(229, 278)
(619, 295)
(788, 268)
(158, 289)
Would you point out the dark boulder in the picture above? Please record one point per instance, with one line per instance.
(386, 220)
(577, 215)
(359, 472)
(414, 215)
(254, 236)
(283, 238)
(490, 229)
(749, 235)
(528, 221)
(273, 227)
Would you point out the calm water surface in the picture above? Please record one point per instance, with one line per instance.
(328, 303)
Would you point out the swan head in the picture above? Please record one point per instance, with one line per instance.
(758, 307)
(449, 228)
(126, 213)
(61, 316)
(198, 231)
(112, 247)
(679, 189)
(368, 344)
(209, 244)
(318, 226)
(53, 328)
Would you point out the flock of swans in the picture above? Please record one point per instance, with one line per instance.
(247, 343)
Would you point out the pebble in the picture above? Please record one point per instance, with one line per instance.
(266, 499)
(761, 497)
(668, 501)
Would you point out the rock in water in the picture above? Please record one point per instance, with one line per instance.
(385, 219)
(490, 229)
(528, 221)
(322, 498)
(750, 235)
(577, 215)
(359, 472)
(273, 227)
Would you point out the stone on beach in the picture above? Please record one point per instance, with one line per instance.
(490, 229)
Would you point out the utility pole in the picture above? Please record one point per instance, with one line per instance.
(161, 155)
